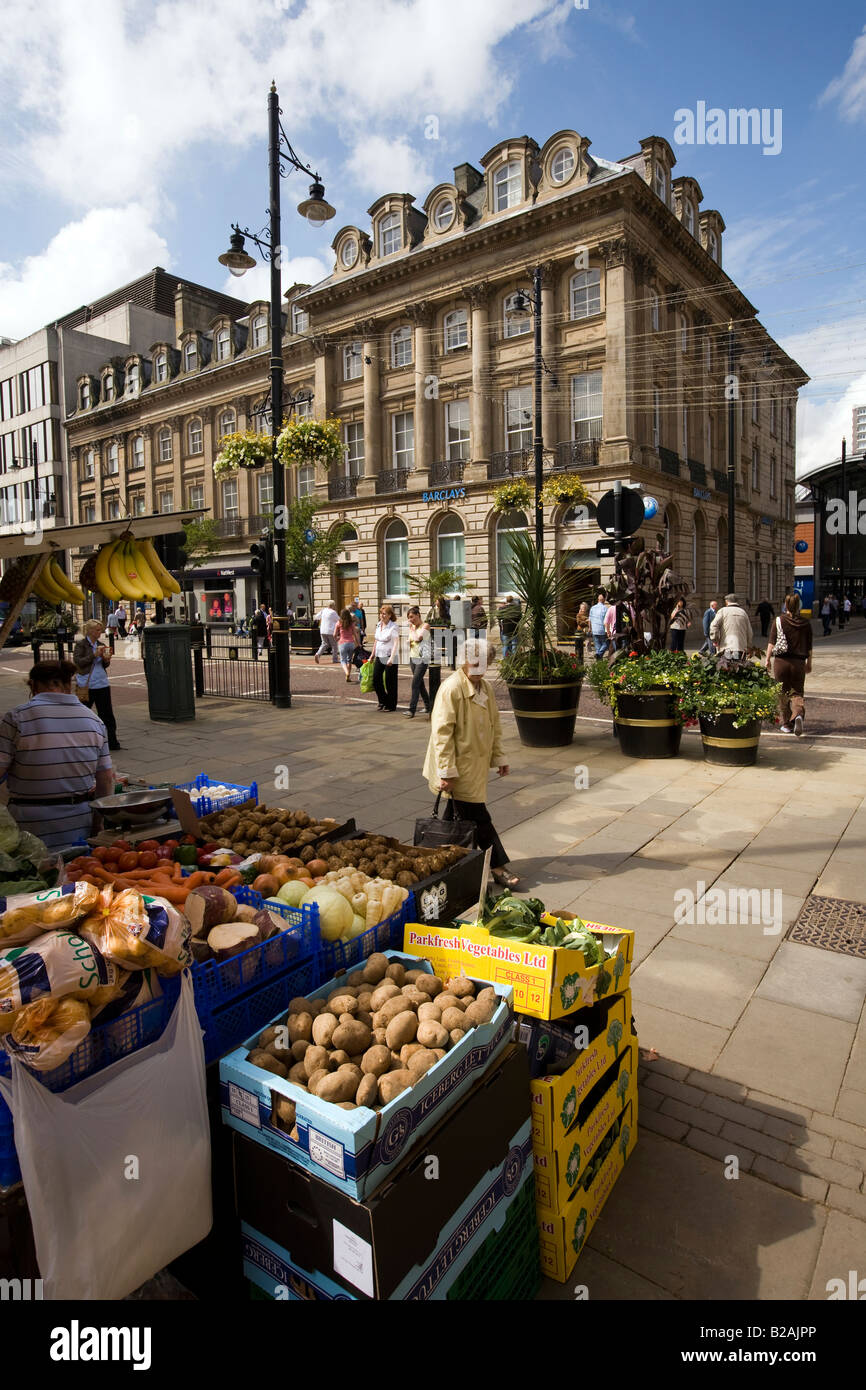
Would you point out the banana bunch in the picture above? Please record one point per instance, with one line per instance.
(53, 586)
(130, 568)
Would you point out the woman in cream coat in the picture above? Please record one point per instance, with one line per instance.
(465, 743)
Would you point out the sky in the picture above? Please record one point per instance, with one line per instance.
(135, 133)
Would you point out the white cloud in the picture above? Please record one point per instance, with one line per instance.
(256, 284)
(849, 89)
(88, 258)
(830, 352)
(379, 165)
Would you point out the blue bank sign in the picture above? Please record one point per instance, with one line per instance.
(445, 494)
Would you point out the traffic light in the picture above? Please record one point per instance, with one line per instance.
(170, 550)
(262, 565)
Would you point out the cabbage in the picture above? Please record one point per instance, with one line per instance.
(335, 913)
(9, 832)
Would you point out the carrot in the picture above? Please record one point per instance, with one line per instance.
(228, 878)
(194, 881)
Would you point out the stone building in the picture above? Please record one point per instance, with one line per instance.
(412, 343)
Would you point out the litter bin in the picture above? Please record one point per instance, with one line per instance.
(168, 672)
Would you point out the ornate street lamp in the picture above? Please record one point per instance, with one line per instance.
(281, 159)
(522, 307)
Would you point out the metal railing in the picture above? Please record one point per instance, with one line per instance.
(697, 472)
(669, 462)
(576, 453)
(446, 471)
(342, 487)
(230, 667)
(392, 480)
(228, 526)
(512, 464)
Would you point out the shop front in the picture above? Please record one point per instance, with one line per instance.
(223, 595)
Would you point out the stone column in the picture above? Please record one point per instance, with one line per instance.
(322, 378)
(374, 459)
(178, 442)
(551, 427)
(150, 435)
(479, 411)
(619, 386)
(422, 317)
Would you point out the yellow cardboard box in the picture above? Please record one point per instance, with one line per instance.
(556, 1101)
(563, 1234)
(440, 945)
(557, 1172)
(548, 981)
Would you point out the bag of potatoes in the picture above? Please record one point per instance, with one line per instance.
(27, 915)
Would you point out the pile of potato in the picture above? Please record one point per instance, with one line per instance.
(383, 857)
(264, 830)
(373, 1037)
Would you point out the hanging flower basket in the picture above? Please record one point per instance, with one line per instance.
(563, 487)
(510, 496)
(302, 442)
(244, 450)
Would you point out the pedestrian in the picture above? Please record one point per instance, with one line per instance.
(766, 612)
(92, 659)
(420, 651)
(826, 614)
(708, 645)
(477, 618)
(508, 617)
(863, 605)
(269, 620)
(845, 614)
(597, 615)
(54, 756)
(465, 743)
(582, 630)
(260, 628)
(386, 657)
(346, 635)
(678, 624)
(611, 626)
(122, 617)
(360, 618)
(327, 621)
(111, 629)
(834, 610)
(290, 614)
(138, 621)
(731, 629)
(793, 664)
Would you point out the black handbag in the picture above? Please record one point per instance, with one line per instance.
(434, 831)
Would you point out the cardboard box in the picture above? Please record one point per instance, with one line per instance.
(558, 1172)
(564, 1234)
(355, 1150)
(412, 1238)
(440, 897)
(550, 981)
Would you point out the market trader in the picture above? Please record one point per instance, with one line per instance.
(54, 756)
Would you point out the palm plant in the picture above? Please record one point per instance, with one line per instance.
(437, 584)
(540, 584)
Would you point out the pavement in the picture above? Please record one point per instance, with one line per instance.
(753, 1043)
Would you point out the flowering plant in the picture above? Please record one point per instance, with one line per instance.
(508, 496)
(311, 441)
(630, 673)
(563, 487)
(718, 685)
(242, 450)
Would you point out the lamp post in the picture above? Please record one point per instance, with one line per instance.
(523, 307)
(281, 158)
(732, 455)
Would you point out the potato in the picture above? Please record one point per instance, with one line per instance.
(421, 1062)
(337, 1085)
(356, 978)
(315, 1058)
(346, 1105)
(281, 1050)
(284, 1112)
(269, 1034)
(397, 1063)
(355, 1058)
(408, 1050)
(301, 1006)
(410, 976)
(351, 1035)
(432, 1034)
(396, 972)
(365, 1000)
(269, 1063)
(430, 1010)
(375, 968)
(456, 1034)
(342, 1004)
(414, 997)
(430, 984)
(368, 1091)
(385, 991)
(453, 1018)
(256, 1053)
(461, 986)
(478, 1013)
(440, 1051)
(401, 1029)
(299, 1048)
(488, 996)
(390, 1009)
(323, 1029)
(355, 1072)
(393, 1084)
(376, 1060)
(317, 1076)
(336, 1059)
(298, 1073)
(300, 1026)
(379, 1035)
(364, 1016)
(446, 1000)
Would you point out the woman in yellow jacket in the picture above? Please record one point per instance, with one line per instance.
(465, 743)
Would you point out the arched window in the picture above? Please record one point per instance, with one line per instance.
(300, 319)
(562, 165)
(165, 448)
(223, 345)
(661, 183)
(133, 379)
(515, 325)
(89, 463)
(194, 437)
(401, 346)
(507, 186)
(396, 558)
(507, 526)
(112, 459)
(84, 395)
(260, 330)
(450, 544)
(160, 367)
(689, 216)
(585, 294)
(456, 329)
(306, 479)
(261, 418)
(349, 535)
(108, 386)
(443, 214)
(137, 459)
(390, 237)
(227, 423)
(713, 244)
(669, 521)
(190, 357)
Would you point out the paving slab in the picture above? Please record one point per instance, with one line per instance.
(851, 1105)
(842, 1247)
(698, 981)
(673, 1035)
(822, 981)
(843, 879)
(787, 1052)
(603, 1278)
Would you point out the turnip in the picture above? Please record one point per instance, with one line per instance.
(231, 938)
(335, 913)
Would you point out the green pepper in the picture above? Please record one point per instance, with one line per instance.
(186, 854)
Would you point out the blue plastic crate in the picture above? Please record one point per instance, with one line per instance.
(219, 983)
(387, 936)
(205, 805)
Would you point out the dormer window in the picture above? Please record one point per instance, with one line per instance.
(133, 379)
(390, 235)
(160, 367)
(300, 319)
(260, 330)
(507, 186)
(456, 327)
(108, 387)
(563, 165)
(349, 252)
(223, 345)
(689, 217)
(84, 396)
(190, 357)
(443, 214)
(712, 244)
(401, 346)
(661, 183)
(353, 362)
(515, 325)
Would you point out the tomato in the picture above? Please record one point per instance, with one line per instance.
(100, 852)
(148, 845)
(165, 852)
(128, 861)
(170, 844)
(148, 859)
(112, 854)
(189, 840)
(123, 845)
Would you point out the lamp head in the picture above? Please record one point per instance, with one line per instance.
(236, 259)
(315, 208)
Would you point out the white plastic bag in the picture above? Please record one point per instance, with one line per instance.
(117, 1169)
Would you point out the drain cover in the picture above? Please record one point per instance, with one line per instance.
(832, 925)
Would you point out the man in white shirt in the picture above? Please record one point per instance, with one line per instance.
(731, 628)
(327, 621)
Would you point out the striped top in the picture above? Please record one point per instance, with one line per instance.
(52, 746)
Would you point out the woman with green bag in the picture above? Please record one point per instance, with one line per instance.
(386, 655)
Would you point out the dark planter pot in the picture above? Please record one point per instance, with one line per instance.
(725, 744)
(545, 713)
(647, 725)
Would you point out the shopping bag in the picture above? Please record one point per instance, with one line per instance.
(366, 680)
(117, 1169)
(434, 830)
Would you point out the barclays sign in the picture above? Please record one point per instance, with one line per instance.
(449, 494)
